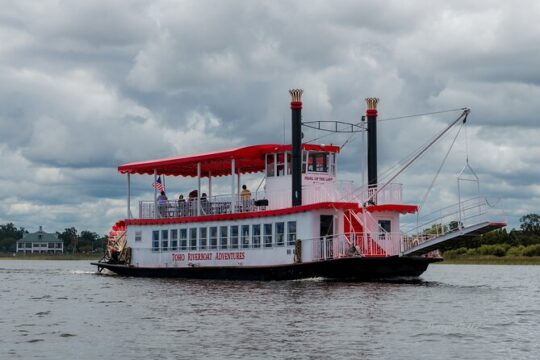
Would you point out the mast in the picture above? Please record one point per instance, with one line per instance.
(296, 119)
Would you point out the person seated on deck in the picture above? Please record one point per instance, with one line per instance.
(245, 196)
(162, 201)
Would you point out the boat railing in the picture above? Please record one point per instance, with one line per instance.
(378, 244)
(447, 220)
(389, 194)
(341, 191)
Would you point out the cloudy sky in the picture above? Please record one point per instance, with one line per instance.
(88, 85)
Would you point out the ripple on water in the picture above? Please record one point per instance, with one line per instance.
(456, 312)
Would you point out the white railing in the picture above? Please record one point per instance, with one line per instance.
(390, 194)
(340, 191)
(447, 220)
(355, 244)
(331, 247)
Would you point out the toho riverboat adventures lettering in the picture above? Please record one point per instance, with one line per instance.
(302, 223)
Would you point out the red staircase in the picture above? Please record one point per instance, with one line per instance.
(367, 247)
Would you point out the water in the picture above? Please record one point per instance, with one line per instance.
(62, 310)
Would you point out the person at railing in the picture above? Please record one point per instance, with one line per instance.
(181, 205)
(192, 204)
(205, 204)
(162, 201)
(245, 196)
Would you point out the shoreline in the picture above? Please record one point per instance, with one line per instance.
(63, 257)
(492, 260)
(461, 260)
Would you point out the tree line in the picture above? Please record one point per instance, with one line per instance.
(74, 242)
(524, 241)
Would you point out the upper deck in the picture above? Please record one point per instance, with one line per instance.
(272, 161)
(339, 191)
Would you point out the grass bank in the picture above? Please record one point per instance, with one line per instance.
(493, 260)
(50, 257)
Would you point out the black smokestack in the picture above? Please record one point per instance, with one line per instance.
(372, 143)
(296, 117)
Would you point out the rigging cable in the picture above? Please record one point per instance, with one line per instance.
(415, 115)
(439, 170)
(462, 117)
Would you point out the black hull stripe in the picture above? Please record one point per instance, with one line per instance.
(349, 268)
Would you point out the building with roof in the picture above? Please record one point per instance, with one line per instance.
(40, 242)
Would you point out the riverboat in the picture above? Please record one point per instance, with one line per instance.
(304, 223)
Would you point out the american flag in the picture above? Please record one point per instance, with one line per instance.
(157, 184)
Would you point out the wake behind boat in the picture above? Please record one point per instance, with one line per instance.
(304, 224)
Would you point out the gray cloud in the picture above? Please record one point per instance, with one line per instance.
(87, 86)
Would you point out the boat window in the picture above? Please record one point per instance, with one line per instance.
(256, 235)
(291, 232)
(174, 239)
(155, 240)
(385, 228)
(138, 235)
(280, 233)
(318, 162)
(245, 236)
(304, 161)
(213, 237)
(183, 239)
(164, 240)
(332, 161)
(223, 237)
(193, 239)
(289, 163)
(280, 164)
(234, 237)
(267, 235)
(270, 165)
(202, 238)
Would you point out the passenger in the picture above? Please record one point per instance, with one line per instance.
(205, 204)
(163, 202)
(181, 205)
(192, 205)
(245, 196)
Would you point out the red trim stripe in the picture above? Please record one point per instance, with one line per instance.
(401, 208)
(246, 215)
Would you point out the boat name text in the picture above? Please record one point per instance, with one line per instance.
(209, 256)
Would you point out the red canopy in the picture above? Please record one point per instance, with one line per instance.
(248, 159)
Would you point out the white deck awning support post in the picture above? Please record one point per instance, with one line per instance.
(155, 194)
(198, 188)
(238, 184)
(128, 196)
(209, 184)
(233, 198)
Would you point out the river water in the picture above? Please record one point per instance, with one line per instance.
(63, 310)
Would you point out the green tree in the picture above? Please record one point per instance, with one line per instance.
(530, 223)
(70, 239)
(9, 234)
(87, 241)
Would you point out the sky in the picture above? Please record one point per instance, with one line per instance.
(88, 85)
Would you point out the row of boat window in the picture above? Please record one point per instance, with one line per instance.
(224, 237)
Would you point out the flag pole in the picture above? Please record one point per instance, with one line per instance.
(155, 194)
